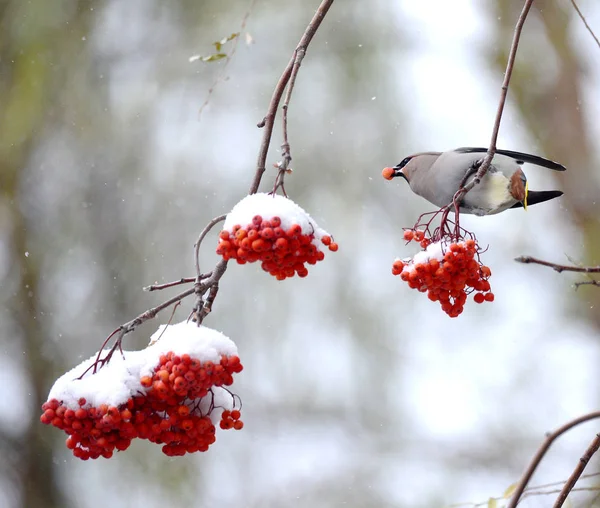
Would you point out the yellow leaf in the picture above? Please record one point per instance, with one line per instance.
(509, 491)
(492, 503)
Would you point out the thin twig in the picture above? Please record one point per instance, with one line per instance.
(591, 282)
(286, 155)
(534, 490)
(559, 268)
(524, 496)
(207, 306)
(168, 323)
(183, 280)
(561, 482)
(485, 165)
(210, 283)
(557, 491)
(539, 455)
(285, 147)
(269, 119)
(205, 231)
(130, 326)
(228, 58)
(583, 462)
(585, 23)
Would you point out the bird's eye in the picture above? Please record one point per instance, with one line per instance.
(403, 163)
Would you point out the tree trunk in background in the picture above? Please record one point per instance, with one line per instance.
(30, 48)
(548, 94)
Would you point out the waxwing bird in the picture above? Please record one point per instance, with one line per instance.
(436, 176)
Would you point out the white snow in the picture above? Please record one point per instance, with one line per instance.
(221, 400)
(269, 206)
(119, 380)
(434, 250)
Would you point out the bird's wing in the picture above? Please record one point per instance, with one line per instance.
(534, 197)
(520, 157)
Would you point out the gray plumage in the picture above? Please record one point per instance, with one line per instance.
(436, 176)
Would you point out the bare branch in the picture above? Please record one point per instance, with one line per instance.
(591, 282)
(559, 268)
(286, 155)
(183, 280)
(269, 119)
(583, 462)
(485, 165)
(210, 282)
(129, 327)
(539, 455)
(205, 231)
(585, 22)
(206, 308)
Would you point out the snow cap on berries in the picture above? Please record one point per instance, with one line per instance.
(274, 230)
(269, 206)
(119, 380)
(447, 270)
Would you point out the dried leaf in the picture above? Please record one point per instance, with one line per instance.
(492, 503)
(509, 491)
(213, 57)
(225, 40)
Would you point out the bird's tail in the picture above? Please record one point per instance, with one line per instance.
(534, 197)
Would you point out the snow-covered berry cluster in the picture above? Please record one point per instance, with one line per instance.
(447, 271)
(171, 393)
(274, 230)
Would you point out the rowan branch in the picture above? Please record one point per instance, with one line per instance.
(559, 268)
(564, 268)
(205, 231)
(541, 452)
(286, 156)
(269, 119)
(589, 29)
(485, 165)
(583, 462)
(183, 280)
(210, 282)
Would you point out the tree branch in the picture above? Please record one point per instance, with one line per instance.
(539, 455)
(485, 165)
(205, 231)
(559, 268)
(183, 280)
(564, 268)
(210, 282)
(269, 119)
(583, 462)
(286, 155)
(585, 22)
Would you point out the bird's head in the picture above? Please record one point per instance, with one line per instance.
(519, 188)
(403, 169)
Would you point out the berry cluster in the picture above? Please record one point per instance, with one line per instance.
(173, 408)
(231, 420)
(446, 271)
(282, 252)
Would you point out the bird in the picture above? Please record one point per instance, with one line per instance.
(437, 176)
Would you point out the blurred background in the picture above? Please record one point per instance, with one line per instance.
(357, 391)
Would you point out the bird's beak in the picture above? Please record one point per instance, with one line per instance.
(389, 173)
(526, 193)
(398, 172)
